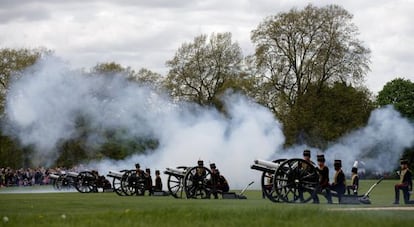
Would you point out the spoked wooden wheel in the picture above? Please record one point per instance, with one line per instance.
(267, 184)
(85, 182)
(195, 182)
(132, 184)
(295, 181)
(175, 184)
(117, 184)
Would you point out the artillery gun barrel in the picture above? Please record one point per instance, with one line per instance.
(53, 176)
(115, 174)
(264, 166)
(270, 165)
(177, 172)
(72, 174)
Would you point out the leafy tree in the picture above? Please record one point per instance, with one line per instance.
(314, 46)
(400, 93)
(12, 63)
(200, 70)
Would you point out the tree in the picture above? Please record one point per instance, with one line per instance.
(200, 69)
(320, 116)
(12, 63)
(314, 46)
(400, 93)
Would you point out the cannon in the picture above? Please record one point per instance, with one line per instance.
(175, 181)
(193, 181)
(127, 182)
(89, 181)
(291, 180)
(61, 181)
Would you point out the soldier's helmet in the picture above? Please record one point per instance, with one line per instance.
(137, 166)
(147, 170)
(354, 170)
(200, 163)
(157, 172)
(320, 158)
(338, 164)
(306, 153)
(212, 166)
(404, 162)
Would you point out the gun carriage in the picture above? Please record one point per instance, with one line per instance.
(193, 181)
(292, 180)
(62, 181)
(89, 181)
(127, 182)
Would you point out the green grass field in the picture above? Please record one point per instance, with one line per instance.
(109, 209)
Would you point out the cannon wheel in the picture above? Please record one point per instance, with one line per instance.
(175, 184)
(85, 182)
(117, 185)
(195, 185)
(131, 185)
(295, 181)
(63, 183)
(267, 184)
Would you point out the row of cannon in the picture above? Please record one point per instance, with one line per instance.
(282, 180)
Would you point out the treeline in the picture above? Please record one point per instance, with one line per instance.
(308, 68)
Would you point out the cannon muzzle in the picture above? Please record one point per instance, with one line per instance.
(176, 172)
(115, 174)
(267, 164)
(72, 174)
(53, 176)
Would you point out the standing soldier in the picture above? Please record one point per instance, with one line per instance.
(305, 166)
(354, 182)
(213, 181)
(339, 180)
(158, 181)
(148, 181)
(323, 171)
(137, 179)
(405, 184)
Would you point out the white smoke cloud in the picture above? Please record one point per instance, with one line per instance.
(42, 106)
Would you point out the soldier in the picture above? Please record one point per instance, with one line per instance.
(304, 166)
(213, 181)
(137, 178)
(158, 181)
(405, 184)
(323, 171)
(354, 182)
(339, 180)
(148, 181)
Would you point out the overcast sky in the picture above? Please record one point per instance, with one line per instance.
(140, 33)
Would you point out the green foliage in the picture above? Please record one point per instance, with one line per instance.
(317, 46)
(201, 70)
(323, 115)
(399, 93)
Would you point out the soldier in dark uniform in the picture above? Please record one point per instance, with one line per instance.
(323, 172)
(339, 183)
(354, 182)
(148, 181)
(212, 183)
(222, 185)
(137, 179)
(158, 181)
(304, 167)
(405, 184)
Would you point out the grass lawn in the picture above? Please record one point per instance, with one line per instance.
(109, 209)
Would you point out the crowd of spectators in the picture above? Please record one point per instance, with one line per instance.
(27, 176)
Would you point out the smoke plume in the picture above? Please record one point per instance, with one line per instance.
(43, 106)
